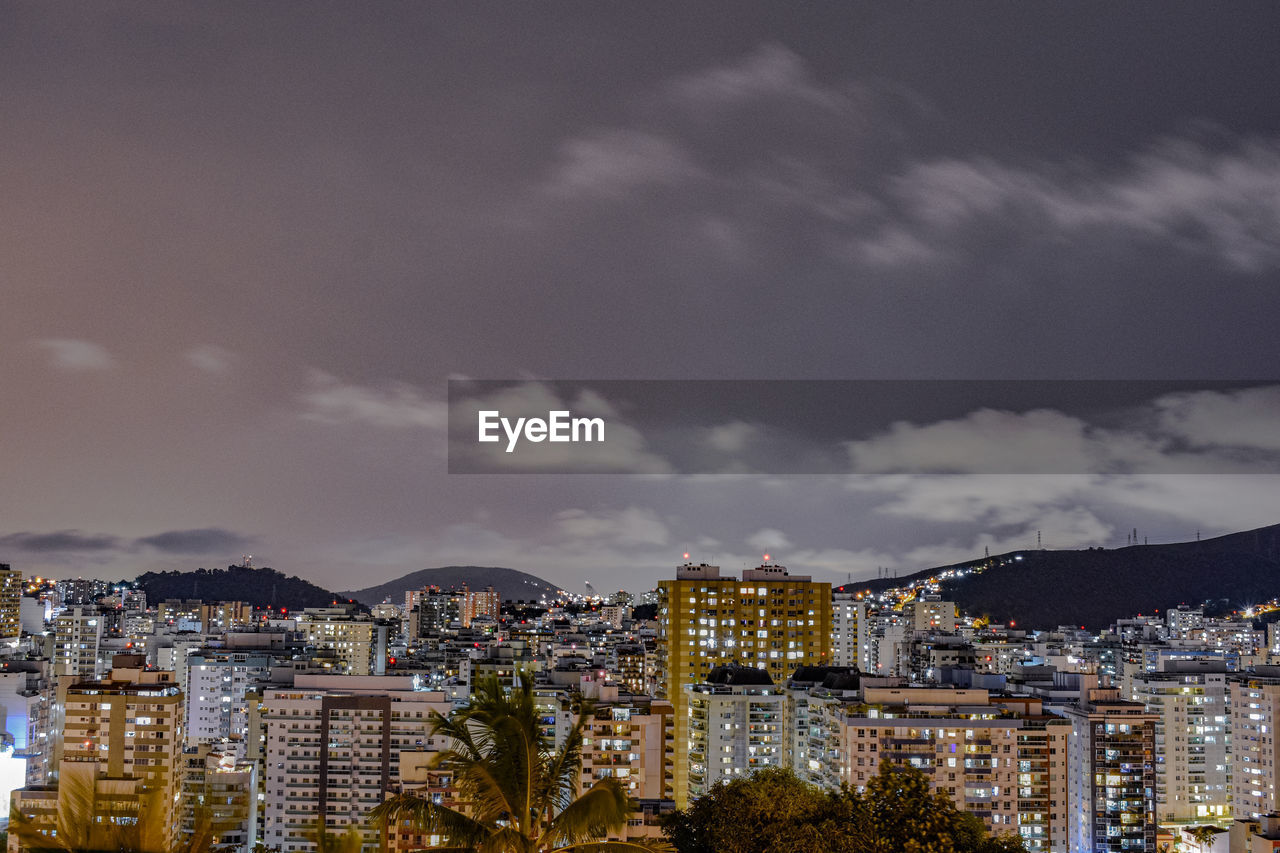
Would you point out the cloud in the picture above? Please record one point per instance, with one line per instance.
(634, 526)
(1051, 528)
(61, 540)
(998, 500)
(206, 540)
(614, 162)
(732, 437)
(76, 355)
(212, 358)
(769, 539)
(1221, 203)
(1248, 418)
(985, 441)
(395, 405)
(772, 71)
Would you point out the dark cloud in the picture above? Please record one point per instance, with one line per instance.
(208, 540)
(295, 227)
(62, 540)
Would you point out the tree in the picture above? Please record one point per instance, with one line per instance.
(774, 810)
(350, 841)
(770, 810)
(83, 827)
(1204, 835)
(519, 793)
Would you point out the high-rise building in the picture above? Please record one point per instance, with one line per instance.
(737, 725)
(122, 748)
(1192, 762)
(334, 745)
(10, 605)
(77, 636)
(1111, 776)
(969, 743)
(346, 645)
(24, 709)
(431, 610)
(769, 620)
(225, 787)
(480, 603)
(627, 738)
(1255, 748)
(1042, 782)
(846, 612)
(217, 681)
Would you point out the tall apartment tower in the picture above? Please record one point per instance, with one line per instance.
(736, 726)
(1193, 779)
(846, 613)
(480, 603)
(770, 620)
(1111, 775)
(334, 749)
(10, 605)
(1255, 749)
(347, 645)
(77, 635)
(122, 747)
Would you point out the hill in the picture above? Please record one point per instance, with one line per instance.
(512, 585)
(260, 587)
(1094, 587)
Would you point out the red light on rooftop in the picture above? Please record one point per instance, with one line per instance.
(766, 558)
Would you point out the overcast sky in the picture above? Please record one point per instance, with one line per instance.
(246, 244)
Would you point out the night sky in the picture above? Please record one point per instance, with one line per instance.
(245, 245)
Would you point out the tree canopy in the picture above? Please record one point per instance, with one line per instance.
(775, 810)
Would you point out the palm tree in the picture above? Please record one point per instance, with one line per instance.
(83, 826)
(1204, 835)
(351, 841)
(519, 793)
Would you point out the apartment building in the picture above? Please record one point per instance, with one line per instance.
(1111, 775)
(122, 750)
(333, 750)
(769, 620)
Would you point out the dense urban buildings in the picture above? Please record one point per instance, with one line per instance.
(268, 724)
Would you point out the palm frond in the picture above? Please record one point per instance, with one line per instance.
(563, 767)
(506, 839)
(651, 845)
(29, 834)
(429, 818)
(600, 810)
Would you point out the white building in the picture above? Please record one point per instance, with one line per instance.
(216, 687)
(77, 635)
(334, 745)
(846, 614)
(736, 726)
(1255, 749)
(1191, 738)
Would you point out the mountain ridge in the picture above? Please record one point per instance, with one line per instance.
(1094, 587)
(511, 584)
(261, 587)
